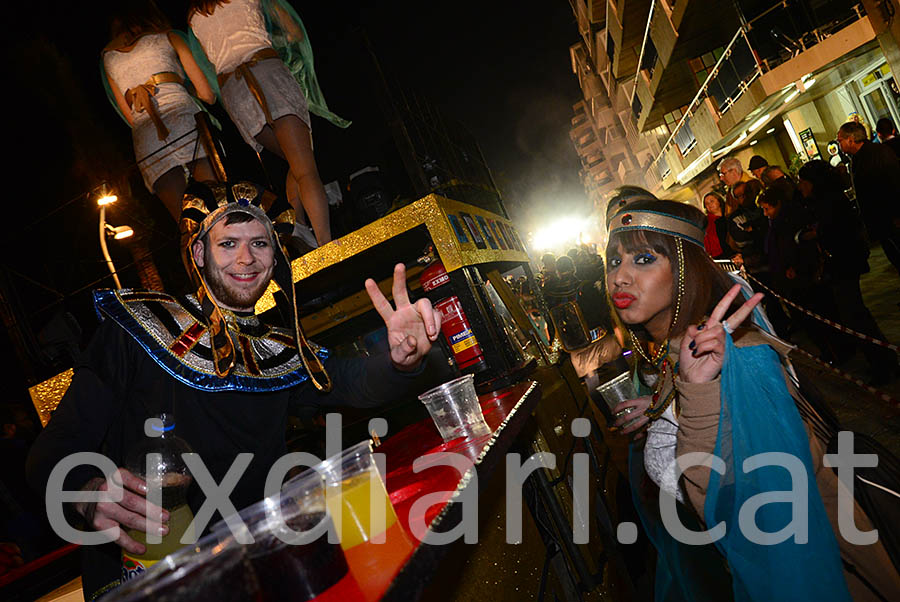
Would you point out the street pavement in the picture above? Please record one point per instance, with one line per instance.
(857, 409)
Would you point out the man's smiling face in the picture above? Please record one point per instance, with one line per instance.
(236, 261)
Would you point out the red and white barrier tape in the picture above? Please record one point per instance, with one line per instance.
(850, 377)
(845, 375)
(831, 323)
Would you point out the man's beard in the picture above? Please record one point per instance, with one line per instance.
(231, 297)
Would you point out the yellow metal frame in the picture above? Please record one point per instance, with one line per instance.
(430, 211)
(46, 395)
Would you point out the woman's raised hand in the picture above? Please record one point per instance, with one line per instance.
(703, 347)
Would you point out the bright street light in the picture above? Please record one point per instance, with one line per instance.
(555, 234)
(106, 197)
(119, 232)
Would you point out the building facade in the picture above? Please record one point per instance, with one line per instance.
(670, 87)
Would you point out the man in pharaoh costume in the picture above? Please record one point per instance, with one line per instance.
(230, 379)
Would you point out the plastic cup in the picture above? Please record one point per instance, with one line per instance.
(617, 390)
(290, 557)
(455, 410)
(374, 542)
(214, 569)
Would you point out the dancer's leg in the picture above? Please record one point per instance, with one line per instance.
(169, 187)
(296, 144)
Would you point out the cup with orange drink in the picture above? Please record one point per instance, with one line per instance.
(374, 542)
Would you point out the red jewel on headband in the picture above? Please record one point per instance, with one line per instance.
(622, 203)
(626, 219)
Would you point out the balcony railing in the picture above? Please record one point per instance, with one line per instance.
(738, 37)
(644, 56)
(774, 36)
(787, 28)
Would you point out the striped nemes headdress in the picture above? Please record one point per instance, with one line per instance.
(206, 204)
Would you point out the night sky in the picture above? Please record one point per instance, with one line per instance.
(500, 68)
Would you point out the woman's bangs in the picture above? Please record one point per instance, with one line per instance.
(633, 241)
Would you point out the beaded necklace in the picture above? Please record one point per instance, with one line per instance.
(660, 359)
(656, 409)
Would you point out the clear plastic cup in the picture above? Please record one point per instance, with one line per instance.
(213, 569)
(374, 542)
(291, 556)
(617, 390)
(455, 409)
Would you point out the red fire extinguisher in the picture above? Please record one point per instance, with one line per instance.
(454, 324)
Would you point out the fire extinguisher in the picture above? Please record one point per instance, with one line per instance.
(454, 324)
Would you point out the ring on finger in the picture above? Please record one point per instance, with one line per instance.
(727, 328)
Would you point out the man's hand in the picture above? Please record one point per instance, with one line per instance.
(133, 512)
(411, 329)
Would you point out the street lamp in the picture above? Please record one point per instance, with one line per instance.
(120, 232)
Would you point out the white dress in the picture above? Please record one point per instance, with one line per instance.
(231, 36)
(152, 54)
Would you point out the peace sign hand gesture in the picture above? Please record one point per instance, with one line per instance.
(411, 329)
(703, 347)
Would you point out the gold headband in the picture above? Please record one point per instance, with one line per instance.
(655, 221)
(617, 205)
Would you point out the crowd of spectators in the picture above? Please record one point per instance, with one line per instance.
(807, 238)
(577, 276)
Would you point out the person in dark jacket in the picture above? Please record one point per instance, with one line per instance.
(875, 170)
(839, 232)
(887, 134)
(747, 231)
(794, 271)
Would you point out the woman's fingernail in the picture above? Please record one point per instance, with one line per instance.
(694, 353)
(692, 345)
(163, 530)
(701, 327)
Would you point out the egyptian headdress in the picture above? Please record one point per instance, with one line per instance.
(623, 196)
(205, 204)
(204, 345)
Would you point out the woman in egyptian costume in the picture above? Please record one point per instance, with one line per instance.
(258, 59)
(148, 70)
(713, 380)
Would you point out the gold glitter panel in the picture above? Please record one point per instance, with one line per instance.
(431, 211)
(46, 395)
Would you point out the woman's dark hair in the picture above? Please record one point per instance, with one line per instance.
(565, 265)
(719, 199)
(773, 196)
(705, 283)
(825, 179)
(204, 7)
(548, 261)
(135, 17)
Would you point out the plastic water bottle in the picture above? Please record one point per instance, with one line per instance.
(158, 461)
